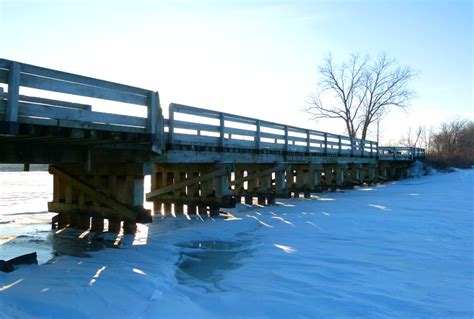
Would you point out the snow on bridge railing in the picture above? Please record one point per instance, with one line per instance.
(400, 153)
(194, 126)
(41, 110)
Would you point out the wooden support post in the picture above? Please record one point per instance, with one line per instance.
(280, 183)
(168, 181)
(97, 224)
(372, 173)
(290, 178)
(239, 187)
(248, 199)
(314, 176)
(178, 206)
(157, 182)
(63, 220)
(114, 225)
(340, 174)
(222, 186)
(328, 176)
(83, 222)
(301, 178)
(129, 227)
(193, 191)
(355, 173)
(203, 210)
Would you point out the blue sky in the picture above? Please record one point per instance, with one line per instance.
(255, 58)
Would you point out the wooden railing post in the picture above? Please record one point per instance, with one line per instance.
(325, 143)
(308, 142)
(353, 141)
(171, 124)
(11, 113)
(152, 113)
(221, 130)
(258, 136)
(155, 125)
(340, 145)
(160, 127)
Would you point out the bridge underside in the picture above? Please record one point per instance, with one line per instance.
(203, 181)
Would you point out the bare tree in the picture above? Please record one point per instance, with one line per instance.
(413, 138)
(360, 91)
(453, 143)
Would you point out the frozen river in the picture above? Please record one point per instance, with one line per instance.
(402, 249)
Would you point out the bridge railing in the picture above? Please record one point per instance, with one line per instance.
(400, 153)
(194, 126)
(16, 108)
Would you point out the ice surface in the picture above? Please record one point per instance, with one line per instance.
(403, 249)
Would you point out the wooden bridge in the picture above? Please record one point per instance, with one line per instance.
(200, 160)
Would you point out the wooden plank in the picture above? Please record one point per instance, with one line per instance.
(275, 146)
(40, 110)
(96, 194)
(170, 188)
(190, 139)
(239, 131)
(297, 139)
(195, 126)
(11, 113)
(236, 143)
(60, 86)
(75, 78)
(272, 135)
(40, 100)
(191, 110)
(80, 125)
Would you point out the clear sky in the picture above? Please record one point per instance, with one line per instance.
(256, 58)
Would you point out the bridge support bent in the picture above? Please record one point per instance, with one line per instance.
(83, 199)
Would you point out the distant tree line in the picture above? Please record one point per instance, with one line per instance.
(451, 145)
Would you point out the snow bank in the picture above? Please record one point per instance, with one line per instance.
(403, 249)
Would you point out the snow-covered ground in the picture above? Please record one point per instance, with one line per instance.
(403, 249)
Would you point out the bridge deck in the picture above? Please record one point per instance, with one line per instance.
(190, 134)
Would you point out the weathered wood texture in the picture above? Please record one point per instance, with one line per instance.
(200, 127)
(114, 192)
(42, 110)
